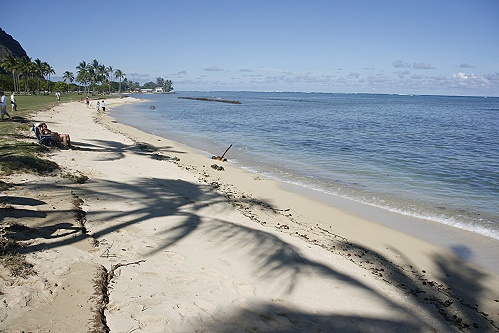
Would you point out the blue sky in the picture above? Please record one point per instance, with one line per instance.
(401, 47)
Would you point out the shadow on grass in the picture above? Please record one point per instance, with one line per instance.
(19, 156)
(30, 164)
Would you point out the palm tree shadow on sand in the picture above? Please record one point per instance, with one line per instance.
(276, 260)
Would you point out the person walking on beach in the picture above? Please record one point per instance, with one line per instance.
(3, 105)
(103, 105)
(58, 96)
(87, 101)
(13, 102)
(98, 106)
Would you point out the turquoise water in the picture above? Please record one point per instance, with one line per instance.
(435, 157)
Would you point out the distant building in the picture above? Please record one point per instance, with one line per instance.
(146, 90)
(159, 90)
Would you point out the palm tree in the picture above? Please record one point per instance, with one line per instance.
(160, 82)
(101, 73)
(109, 75)
(95, 64)
(120, 75)
(83, 75)
(168, 85)
(26, 66)
(95, 69)
(48, 70)
(11, 63)
(82, 65)
(91, 77)
(39, 70)
(68, 76)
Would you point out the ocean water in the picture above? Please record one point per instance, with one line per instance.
(432, 157)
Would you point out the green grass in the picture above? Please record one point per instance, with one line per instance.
(24, 156)
(43, 102)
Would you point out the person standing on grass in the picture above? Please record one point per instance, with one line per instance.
(3, 105)
(13, 102)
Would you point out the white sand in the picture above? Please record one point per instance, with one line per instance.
(192, 249)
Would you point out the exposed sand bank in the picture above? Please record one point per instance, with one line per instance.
(177, 246)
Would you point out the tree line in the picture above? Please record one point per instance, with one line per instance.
(26, 69)
(92, 77)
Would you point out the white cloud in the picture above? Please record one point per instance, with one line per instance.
(213, 69)
(400, 81)
(400, 64)
(354, 75)
(469, 80)
(422, 66)
(273, 79)
(186, 82)
(461, 76)
(440, 80)
(377, 80)
(492, 77)
(401, 74)
(141, 78)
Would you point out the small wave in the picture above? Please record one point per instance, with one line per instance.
(459, 220)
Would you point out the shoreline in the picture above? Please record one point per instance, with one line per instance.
(204, 241)
(416, 207)
(471, 246)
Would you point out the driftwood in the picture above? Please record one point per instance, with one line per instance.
(221, 158)
(226, 150)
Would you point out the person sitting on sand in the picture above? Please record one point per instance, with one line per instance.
(66, 140)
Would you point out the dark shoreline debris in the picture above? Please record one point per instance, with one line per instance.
(211, 100)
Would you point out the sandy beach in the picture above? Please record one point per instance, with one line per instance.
(160, 239)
